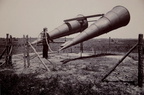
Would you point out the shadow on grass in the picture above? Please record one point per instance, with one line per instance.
(98, 55)
(121, 81)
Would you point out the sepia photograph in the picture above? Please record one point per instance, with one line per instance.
(71, 47)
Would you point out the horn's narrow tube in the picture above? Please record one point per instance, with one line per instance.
(69, 28)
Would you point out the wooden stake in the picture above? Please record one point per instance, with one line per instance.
(28, 57)
(140, 60)
(81, 49)
(39, 56)
(7, 49)
(10, 50)
(120, 61)
(24, 51)
(3, 52)
(109, 42)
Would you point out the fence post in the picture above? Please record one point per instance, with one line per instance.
(28, 57)
(81, 49)
(71, 50)
(7, 48)
(24, 49)
(140, 60)
(10, 48)
(109, 43)
(93, 51)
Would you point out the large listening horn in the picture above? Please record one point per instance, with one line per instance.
(117, 17)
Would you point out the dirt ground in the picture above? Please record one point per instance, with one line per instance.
(87, 70)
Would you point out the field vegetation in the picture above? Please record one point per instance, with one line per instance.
(71, 74)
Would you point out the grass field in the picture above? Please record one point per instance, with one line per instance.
(72, 75)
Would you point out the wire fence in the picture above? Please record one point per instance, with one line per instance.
(91, 46)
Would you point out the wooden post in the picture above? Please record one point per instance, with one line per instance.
(24, 50)
(109, 42)
(7, 48)
(140, 60)
(81, 49)
(94, 51)
(10, 50)
(28, 57)
(71, 50)
(65, 39)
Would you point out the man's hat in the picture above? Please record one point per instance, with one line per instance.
(45, 29)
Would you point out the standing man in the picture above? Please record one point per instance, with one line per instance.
(46, 40)
(45, 45)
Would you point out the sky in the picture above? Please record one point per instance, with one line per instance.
(29, 17)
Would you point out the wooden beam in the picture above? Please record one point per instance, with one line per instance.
(120, 61)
